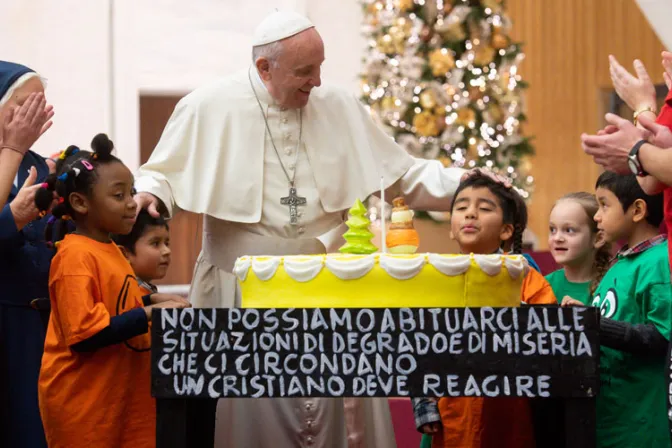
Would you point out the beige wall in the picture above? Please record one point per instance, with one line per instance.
(566, 45)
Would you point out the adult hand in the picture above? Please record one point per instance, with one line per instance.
(167, 304)
(23, 125)
(23, 206)
(637, 92)
(568, 301)
(611, 150)
(661, 136)
(488, 173)
(160, 298)
(147, 201)
(667, 65)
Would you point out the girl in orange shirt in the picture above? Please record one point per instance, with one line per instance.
(485, 215)
(94, 386)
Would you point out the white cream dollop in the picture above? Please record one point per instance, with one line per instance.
(303, 269)
(402, 268)
(241, 267)
(490, 264)
(516, 265)
(350, 267)
(450, 265)
(264, 267)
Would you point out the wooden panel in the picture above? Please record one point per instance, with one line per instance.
(185, 228)
(567, 45)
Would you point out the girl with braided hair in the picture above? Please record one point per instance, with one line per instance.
(485, 217)
(577, 246)
(95, 370)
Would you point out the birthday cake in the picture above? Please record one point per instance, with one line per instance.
(380, 280)
(358, 277)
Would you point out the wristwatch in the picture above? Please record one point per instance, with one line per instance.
(633, 160)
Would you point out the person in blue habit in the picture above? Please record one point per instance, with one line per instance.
(24, 255)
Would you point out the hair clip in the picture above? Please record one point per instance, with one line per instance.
(66, 218)
(87, 165)
(63, 177)
(44, 185)
(77, 171)
(42, 214)
(74, 151)
(62, 155)
(61, 200)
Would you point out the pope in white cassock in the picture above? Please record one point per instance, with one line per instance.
(273, 159)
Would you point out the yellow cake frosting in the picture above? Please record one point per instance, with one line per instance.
(380, 280)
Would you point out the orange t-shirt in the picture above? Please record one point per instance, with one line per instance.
(504, 422)
(102, 398)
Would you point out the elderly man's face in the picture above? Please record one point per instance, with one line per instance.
(297, 69)
(20, 95)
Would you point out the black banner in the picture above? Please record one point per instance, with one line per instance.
(532, 351)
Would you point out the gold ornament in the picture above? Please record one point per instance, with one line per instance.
(450, 90)
(405, 5)
(495, 113)
(499, 41)
(454, 32)
(427, 99)
(385, 44)
(441, 61)
(388, 102)
(425, 124)
(483, 55)
(465, 116)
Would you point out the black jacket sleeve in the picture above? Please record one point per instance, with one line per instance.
(638, 339)
(122, 327)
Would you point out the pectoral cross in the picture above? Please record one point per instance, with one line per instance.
(293, 200)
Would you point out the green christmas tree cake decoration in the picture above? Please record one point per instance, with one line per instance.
(358, 237)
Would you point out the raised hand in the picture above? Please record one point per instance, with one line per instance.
(638, 91)
(23, 125)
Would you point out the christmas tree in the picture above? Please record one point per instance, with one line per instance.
(441, 76)
(358, 237)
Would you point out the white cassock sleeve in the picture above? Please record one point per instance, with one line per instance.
(427, 185)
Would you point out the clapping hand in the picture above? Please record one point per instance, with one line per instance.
(23, 125)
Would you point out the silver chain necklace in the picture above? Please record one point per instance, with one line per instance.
(292, 200)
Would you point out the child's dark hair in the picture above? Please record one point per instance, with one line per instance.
(627, 190)
(75, 173)
(142, 224)
(513, 206)
(603, 255)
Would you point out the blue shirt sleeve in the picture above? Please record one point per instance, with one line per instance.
(531, 262)
(122, 327)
